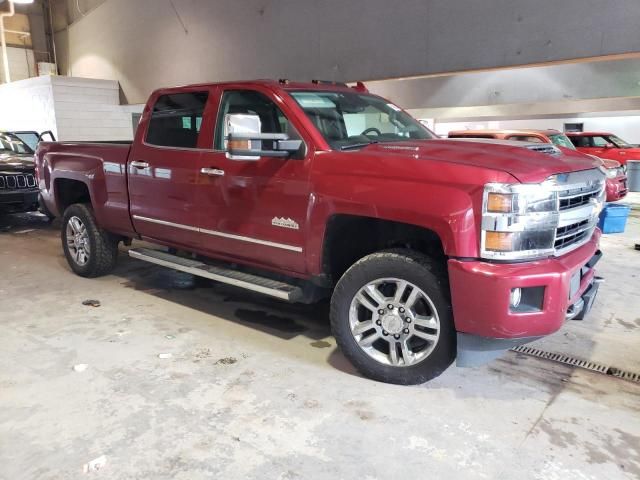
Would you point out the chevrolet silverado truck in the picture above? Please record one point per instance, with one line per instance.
(429, 248)
(616, 176)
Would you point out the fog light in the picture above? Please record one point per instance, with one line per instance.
(515, 297)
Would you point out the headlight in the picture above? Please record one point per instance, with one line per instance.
(612, 172)
(518, 221)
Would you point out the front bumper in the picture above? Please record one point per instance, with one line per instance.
(480, 293)
(16, 201)
(616, 188)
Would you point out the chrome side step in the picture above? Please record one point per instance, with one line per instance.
(266, 286)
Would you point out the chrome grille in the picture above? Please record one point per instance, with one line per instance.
(580, 200)
(17, 181)
(577, 199)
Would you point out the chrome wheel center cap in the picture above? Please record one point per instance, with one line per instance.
(392, 323)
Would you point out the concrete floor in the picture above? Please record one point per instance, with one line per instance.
(255, 389)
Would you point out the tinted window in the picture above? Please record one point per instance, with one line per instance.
(176, 120)
(599, 141)
(12, 144)
(580, 142)
(272, 120)
(526, 138)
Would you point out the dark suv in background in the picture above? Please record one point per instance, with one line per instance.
(18, 187)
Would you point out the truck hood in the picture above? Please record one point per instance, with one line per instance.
(515, 158)
(16, 162)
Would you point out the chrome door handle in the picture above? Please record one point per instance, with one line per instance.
(215, 172)
(139, 164)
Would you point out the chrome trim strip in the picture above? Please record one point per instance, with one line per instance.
(167, 224)
(267, 243)
(252, 240)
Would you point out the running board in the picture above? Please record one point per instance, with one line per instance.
(266, 286)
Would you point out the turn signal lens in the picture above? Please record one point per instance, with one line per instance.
(239, 145)
(500, 202)
(498, 241)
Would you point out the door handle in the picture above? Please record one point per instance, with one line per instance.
(214, 172)
(136, 164)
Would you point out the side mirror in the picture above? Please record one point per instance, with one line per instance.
(609, 145)
(244, 139)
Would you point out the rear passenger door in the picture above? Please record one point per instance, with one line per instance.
(163, 167)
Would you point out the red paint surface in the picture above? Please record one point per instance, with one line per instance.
(480, 293)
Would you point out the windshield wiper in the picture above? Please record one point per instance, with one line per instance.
(358, 145)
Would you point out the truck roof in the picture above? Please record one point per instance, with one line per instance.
(587, 134)
(319, 85)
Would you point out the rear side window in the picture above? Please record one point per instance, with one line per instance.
(176, 120)
(581, 142)
(599, 141)
(526, 138)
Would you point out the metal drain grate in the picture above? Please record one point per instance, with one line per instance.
(577, 362)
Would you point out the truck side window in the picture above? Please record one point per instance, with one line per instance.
(176, 120)
(599, 142)
(251, 102)
(526, 138)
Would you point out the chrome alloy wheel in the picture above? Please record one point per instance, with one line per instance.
(78, 241)
(394, 322)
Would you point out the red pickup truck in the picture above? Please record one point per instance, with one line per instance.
(429, 248)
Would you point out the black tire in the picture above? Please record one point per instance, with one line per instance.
(103, 246)
(421, 271)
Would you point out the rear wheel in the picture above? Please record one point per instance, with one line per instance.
(90, 250)
(391, 316)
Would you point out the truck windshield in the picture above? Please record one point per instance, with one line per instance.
(618, 142)
(351, 120)
(9, 143)
(562, 140)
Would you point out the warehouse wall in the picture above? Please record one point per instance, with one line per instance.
(21, 63)
(75, 109)
(145, 44)
(588, 80)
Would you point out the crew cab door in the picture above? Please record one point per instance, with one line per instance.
(256, 210)
(163, 167)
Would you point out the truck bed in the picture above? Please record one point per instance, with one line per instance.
(100, 167)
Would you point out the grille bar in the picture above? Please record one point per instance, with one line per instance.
(19, 181)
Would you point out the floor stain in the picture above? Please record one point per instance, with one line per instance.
(202, 354)
(627, 325)
(270, 320)
(320, 344)
(227, 361)
(558, 437)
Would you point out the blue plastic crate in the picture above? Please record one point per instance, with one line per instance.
(613, 218)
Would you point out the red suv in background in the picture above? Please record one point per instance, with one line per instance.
(616, 177)
(604, 145)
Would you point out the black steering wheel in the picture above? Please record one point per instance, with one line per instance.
(371, 130)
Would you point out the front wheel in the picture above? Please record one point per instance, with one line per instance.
(391, 317)
(90, 250)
